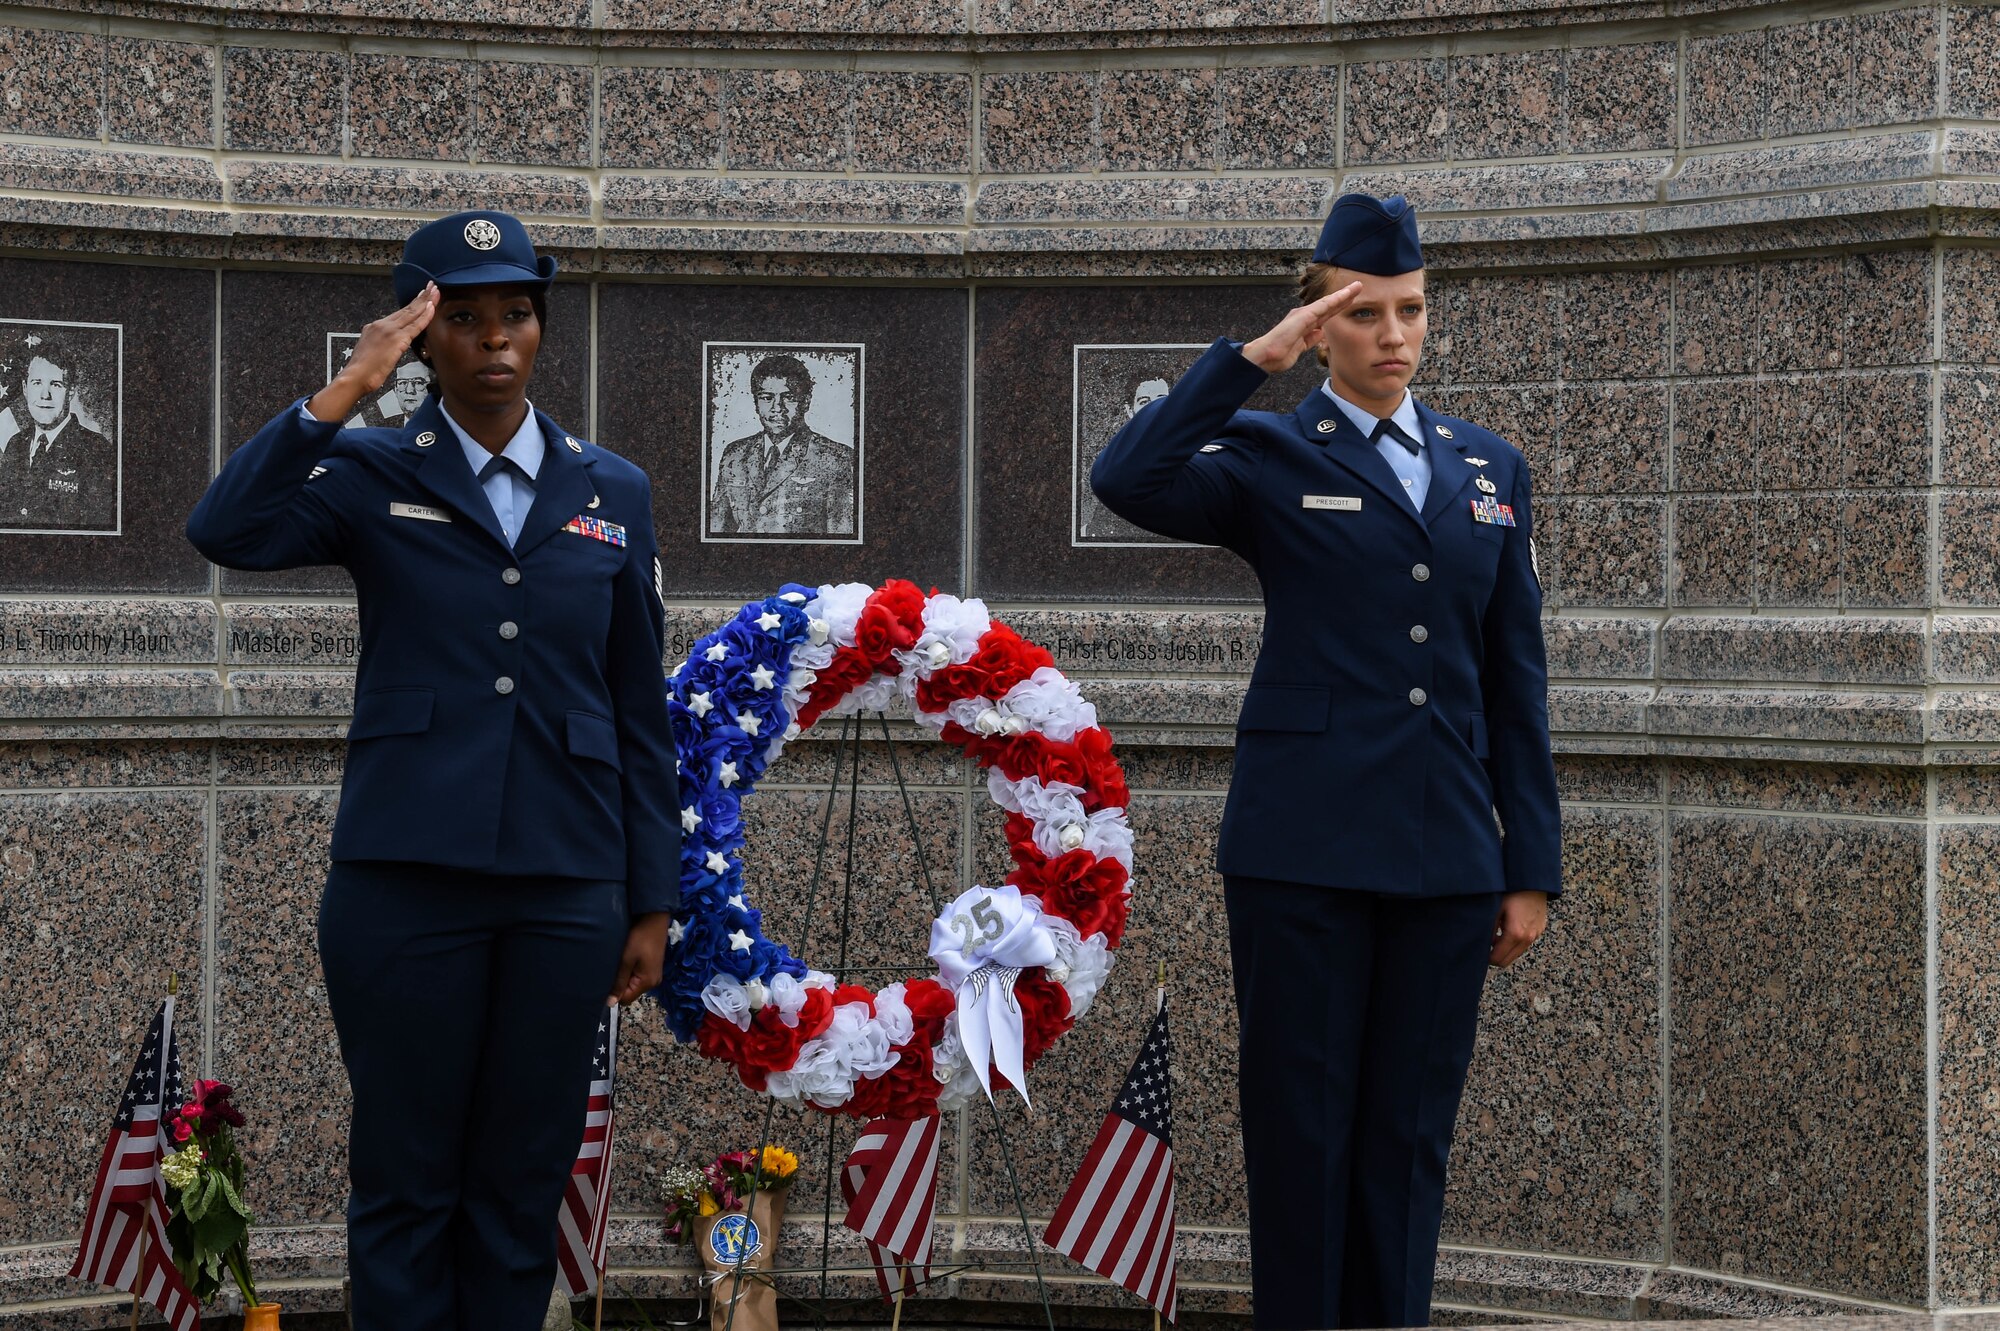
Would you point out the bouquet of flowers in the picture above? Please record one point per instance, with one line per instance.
(730, 1209)
(207, 1222)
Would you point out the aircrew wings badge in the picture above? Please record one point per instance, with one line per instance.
(597, 529)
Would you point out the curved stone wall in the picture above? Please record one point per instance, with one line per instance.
(1725, 273)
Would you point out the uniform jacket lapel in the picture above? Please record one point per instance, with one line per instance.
(562, 490)
(1449, 472)
(787, 465)
(1351, 450)
(441, 468)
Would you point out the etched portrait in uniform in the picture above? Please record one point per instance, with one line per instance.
(395, 402)
(61, 398)
(782, 442)
(1110, 385)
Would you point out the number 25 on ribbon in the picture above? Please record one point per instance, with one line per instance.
(989, 924)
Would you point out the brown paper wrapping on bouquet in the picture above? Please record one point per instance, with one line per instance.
(721, 1241)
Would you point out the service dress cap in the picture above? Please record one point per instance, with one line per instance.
(471, 250)
(1371, 235)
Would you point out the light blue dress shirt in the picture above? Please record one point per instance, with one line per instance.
(511, 490)
(1412, 469)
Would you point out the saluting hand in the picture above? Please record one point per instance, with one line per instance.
(645, 956)
(1523, 917)
(375, 357)
(1298, 332)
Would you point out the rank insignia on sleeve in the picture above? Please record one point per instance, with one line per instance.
(1213, 448)
(1492, 513)
(597, 529)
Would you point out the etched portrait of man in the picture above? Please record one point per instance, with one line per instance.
(59, 459)
(782, 435)
(1112, 384)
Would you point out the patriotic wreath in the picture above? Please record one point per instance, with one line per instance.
(1017, 965)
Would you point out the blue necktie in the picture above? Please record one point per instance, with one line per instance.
(1394, 431)
(499, 462)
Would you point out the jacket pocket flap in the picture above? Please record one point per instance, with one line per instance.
(391, 712)
(591, 736)
(1297, 707)
(1476, 736)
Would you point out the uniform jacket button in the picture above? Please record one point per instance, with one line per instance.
(1422, 573)
(510, 630)
(1420, 634)
(503, 685)
(1418, 697)
(510, 576)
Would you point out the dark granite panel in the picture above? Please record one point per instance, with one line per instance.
(1798, 550)
(1614, 438)
(1814, 88)
(160, 92)
(142, 373)
(276, 349)
(1798, 422)
(51, 83)
(1797, 333)
(907, 121)
(1729, 87)
(1889, 307)
(1895, 66)
(1398, 111)
(1076, 1079)
(1559, 1134)
(407, 106)
(1508, 104)
(1971, 315)
(1500, 328)
(1968, 532)
(1715, 318)
(1968, 1110)
(655, 402)
(1715, 434)
(1279, 116)
(283, 101)
(1887, 435)
(1711, 539)
(274, 1034)
(1970, 443)
(660, 117)
(1621, 98)
(532, 112)
(1159, 119)
(1798, 1050)
(1973, 62)
(1035, 121)
(787, 119)
(1885, 553)
(1609, 552)
(1032, 452)
(1615, 324)
(77, 764)
(1822, 788)
(1971, 791)
(100, 900)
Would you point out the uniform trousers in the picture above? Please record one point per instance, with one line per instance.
(467, 1007)
(1356, 1016)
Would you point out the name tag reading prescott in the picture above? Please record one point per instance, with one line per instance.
(1336, 503)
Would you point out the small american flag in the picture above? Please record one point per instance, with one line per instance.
(586, 1205)
(890, 1185)
(129, 1195)
(1118, 1216)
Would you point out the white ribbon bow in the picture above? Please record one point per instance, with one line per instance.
(981, 944)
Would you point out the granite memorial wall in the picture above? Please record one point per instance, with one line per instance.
(1725, 271)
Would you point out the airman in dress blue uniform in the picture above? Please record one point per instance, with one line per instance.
(507, 846)
(1392, 826)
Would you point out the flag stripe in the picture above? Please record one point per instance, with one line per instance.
(584, 1217)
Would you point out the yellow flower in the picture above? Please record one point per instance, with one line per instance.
(779, 1161)
(709, 1206)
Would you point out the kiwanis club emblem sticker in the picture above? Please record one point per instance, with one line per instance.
(481, 234)
(734, 1239)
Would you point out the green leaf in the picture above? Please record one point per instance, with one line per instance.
(229, 1195)
(199, 1198)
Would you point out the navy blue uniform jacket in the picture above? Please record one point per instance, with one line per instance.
(510, 710)
(1400, 700)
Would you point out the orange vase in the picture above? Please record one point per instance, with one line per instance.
(261, 1317)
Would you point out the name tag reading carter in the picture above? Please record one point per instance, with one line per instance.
(1334, 503)
(418, 511)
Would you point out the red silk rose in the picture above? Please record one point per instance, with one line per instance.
(1044, 1012)
(905, 1091)
(878, 634)
(1105, 784)
(1088, 892)
(931, 1006)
